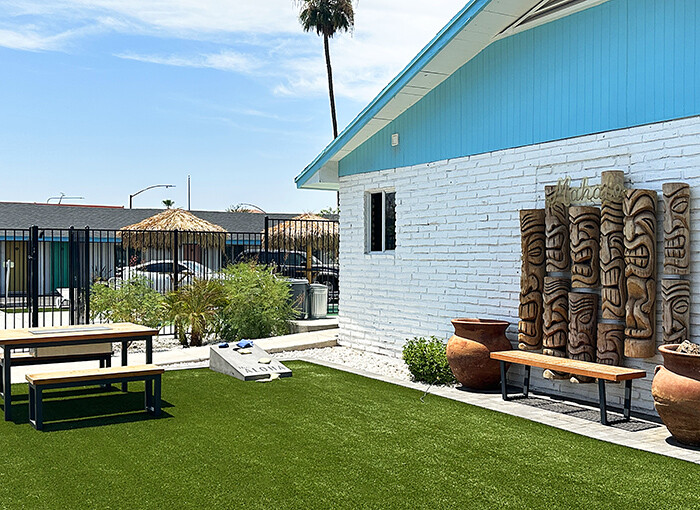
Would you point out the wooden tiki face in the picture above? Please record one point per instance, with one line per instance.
(585, 253)
(583, 319)
(676, 310)
(556, 312)
(557, 234)
(611, 339)
(676, 228)
(531, 278)
(612, 251)
(640, 265)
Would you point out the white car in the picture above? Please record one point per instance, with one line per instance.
(161, 275)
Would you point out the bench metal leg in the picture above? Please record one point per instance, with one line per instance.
(125, 386)
(603, 403)
(156, 396)
(38, 409)
(7, 382)
(32, 405)
(526, 381)
(628, 399)
(504, 389)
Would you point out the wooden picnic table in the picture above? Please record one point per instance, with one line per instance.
(123, 332)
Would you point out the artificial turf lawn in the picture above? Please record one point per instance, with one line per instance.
(322, 439)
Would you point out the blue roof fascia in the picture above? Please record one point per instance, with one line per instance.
(449, 31)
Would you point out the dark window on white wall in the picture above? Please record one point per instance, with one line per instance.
(382, 221)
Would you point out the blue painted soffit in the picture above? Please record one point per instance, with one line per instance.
(472, 29)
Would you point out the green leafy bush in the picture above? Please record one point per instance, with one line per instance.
(257, 303)
(427, 360)
(194, 309)
(132, 300)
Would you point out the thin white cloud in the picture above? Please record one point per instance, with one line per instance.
(223, 61)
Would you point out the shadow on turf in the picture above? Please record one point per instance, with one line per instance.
(86, 407)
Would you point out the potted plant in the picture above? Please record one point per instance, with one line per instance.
(676, 391)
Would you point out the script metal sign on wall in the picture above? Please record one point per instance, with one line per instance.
(565, 194)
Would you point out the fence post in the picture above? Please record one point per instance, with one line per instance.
(267, 232)
(87, 277)
(33, 273)
(176, 258)
(71, 274)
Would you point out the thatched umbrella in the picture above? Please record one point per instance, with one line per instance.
(303, 233)
(157, 231)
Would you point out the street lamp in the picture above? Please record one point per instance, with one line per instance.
(131, 197)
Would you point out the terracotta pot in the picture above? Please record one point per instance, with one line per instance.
(676, 391)
(469, 349)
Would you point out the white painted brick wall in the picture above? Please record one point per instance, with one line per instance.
(458, 237)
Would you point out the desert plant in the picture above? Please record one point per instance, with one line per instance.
(193, 309)
(257, 303)
(132, 300)
(426, 359)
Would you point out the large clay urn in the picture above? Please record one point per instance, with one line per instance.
(676, 391)
(469, 350)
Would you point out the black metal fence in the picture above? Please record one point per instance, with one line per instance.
(47, 274)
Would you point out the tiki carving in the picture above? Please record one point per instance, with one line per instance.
(556, 321)
(611, 340)
(612, 250)
(557, 230)
(676, 228)
(531, 279)
(640, 273)
(585, 239)
(583, 318)
(676, 310)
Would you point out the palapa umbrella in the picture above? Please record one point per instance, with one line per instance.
(157, 231)
(303, 233)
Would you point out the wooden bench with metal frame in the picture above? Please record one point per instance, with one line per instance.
(584, 368)
(102, 376)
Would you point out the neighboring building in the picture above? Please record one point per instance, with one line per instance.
(509, 97)
(245, 229)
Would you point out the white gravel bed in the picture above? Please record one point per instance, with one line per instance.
(160, 343)
(356, 359)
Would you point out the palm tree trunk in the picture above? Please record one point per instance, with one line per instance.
(330, 85)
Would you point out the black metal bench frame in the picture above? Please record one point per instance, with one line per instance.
(601, 392)
(36, 397)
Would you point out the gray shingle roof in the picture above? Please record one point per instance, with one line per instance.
(17, 215)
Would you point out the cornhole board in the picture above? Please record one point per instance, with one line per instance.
(245, 367)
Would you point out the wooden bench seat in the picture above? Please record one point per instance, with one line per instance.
(151, 374)
(583, 368)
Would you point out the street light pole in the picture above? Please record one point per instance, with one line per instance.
(131, 197)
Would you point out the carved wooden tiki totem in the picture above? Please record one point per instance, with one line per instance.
(585, 243)
(676, 228)
(583, 319)
(557, 230)
(640, 272)
(532, 233)
(676, 310)
(612, 270)
(556, 321)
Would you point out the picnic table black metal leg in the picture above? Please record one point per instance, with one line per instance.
(628, 399)
(603, 404)
(526, 381)
(7, 381)
(125, 345)
(504, 389)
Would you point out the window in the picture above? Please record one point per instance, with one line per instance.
(382, 221)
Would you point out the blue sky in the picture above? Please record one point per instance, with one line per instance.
(100, 98)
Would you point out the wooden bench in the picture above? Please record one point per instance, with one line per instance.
(151, 374)
(584, 368)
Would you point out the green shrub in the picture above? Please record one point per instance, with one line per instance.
(427, 360)
(257, 303)
(132, 300)
(194, 309)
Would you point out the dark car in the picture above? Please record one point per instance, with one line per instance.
(292, 264)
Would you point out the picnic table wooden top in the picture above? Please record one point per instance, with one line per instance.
(60, 334)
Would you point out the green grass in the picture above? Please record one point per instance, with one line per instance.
(322, 439)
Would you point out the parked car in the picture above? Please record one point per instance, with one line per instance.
(160, 273)
(292, 264)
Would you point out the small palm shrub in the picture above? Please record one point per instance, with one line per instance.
(257, 303)
(193, 309)
(427, 360)
(133, 300)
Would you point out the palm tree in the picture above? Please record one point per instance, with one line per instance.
(327, 17)
(168, 203)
